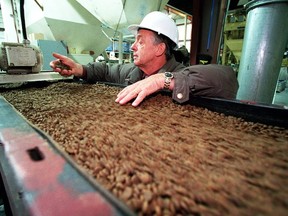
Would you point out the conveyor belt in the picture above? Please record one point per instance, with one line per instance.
(40, 180)
(271, 115)
(42, 76)
(249, 111)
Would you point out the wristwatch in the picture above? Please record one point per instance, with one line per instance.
(168, 77)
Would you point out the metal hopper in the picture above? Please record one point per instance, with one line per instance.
(86, 25)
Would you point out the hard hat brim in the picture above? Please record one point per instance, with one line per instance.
(158, 22)
(134, 29)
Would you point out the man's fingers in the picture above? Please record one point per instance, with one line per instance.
(58, 56)
(141, 96)
(63, 60)
(127, 97)
(65, 73)
(138, 90)
(124, 92)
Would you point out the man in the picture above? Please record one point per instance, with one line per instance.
(155, 68)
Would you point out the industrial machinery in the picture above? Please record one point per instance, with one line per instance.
(233, 38)
(40, 179)
(20, 58)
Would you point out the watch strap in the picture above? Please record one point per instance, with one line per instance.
(168, 77)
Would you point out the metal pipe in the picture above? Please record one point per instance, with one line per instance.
(120, 48)
(224, 8)
(210, 25)
(22, 15)
(265, 39)
(185, 29)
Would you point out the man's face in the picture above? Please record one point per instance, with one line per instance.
(144, 48)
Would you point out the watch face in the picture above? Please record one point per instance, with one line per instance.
(168, 74)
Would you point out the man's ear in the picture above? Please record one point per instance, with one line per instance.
(160, 49)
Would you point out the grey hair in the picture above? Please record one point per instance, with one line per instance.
(170, 45)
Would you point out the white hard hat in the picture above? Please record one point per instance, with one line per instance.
(160, 23)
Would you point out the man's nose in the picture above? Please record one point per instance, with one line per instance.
(133, 46)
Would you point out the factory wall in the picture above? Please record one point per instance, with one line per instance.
(2, 29)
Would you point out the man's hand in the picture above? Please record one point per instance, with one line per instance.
(141, 89)
(66, 66)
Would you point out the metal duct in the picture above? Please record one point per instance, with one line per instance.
(85, 24)
(265, 39)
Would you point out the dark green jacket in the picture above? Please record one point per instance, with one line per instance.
(202, 80)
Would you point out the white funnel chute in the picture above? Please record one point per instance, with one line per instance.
(119, 14)
(79, 23)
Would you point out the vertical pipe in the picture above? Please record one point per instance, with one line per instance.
(224, 7)
(22, 15)
(185, 30)
(10, 17)
(120, 47)
(210, 25)
(195, 33)
(265, 39)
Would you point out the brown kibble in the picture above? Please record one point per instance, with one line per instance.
(127, 193)
(120, 186)
(104, 173)
(120, 178)
(135, 179)
(70, 150)
(145, 206)
(136, 203)
(147, 195)
(194, 162)
(181, 190)
(158, 210)
(145, 178)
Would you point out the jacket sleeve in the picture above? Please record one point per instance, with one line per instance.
(116, 73)
(205, 80)
(100, 71)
